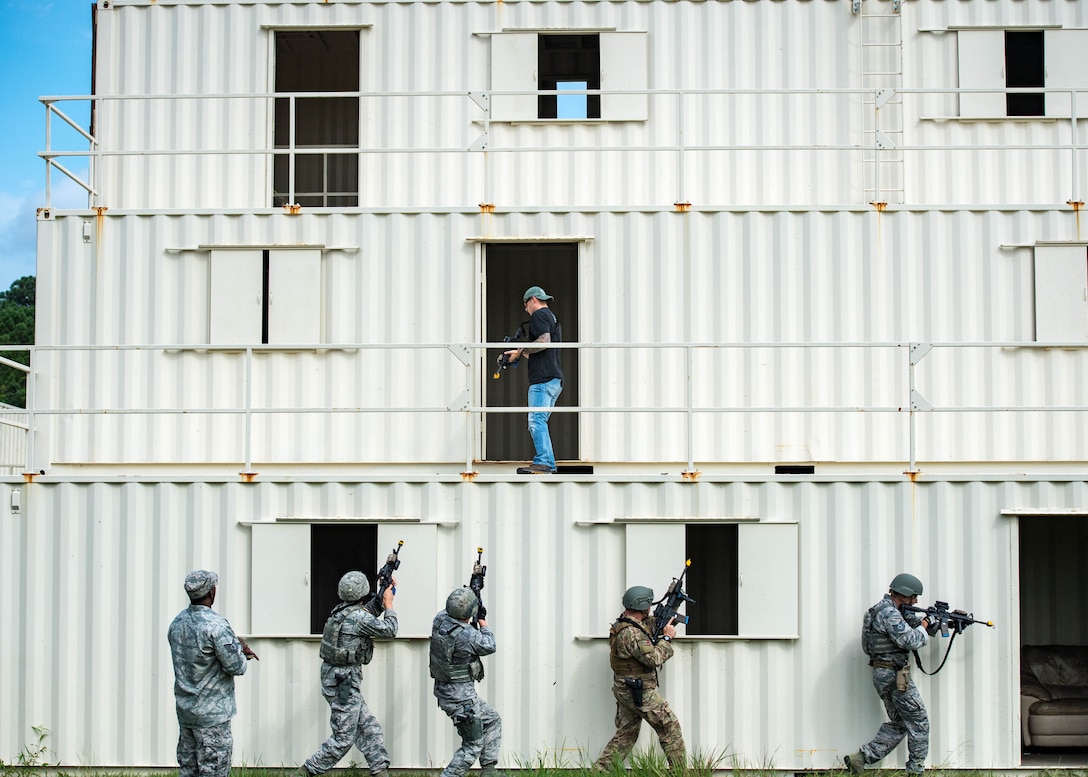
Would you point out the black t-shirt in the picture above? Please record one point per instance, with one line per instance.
(544, 365)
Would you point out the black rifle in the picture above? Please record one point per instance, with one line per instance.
(668, 605)
(476, 583)
(375, 603)
(504, 360)
(955, 622)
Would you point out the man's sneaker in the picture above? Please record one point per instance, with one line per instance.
(855, 763)
(536, 469)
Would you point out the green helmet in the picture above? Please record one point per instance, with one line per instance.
(638, 597)
(462, 603)
(353, 587)
(906, 585)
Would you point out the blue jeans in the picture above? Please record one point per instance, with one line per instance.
(543, 395)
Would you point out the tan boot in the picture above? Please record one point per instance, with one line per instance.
(855, 762)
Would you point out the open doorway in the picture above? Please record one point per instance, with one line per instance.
(1053, 640)
(510, 269)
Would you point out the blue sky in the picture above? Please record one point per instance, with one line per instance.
(45, 49)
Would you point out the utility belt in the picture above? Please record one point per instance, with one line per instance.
(902, 672)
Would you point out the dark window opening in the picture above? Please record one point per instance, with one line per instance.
(570, 62)
(317, 61)
(266, 283)
(1024, 69)
(336, 549)
(794, 469)
(712, 578)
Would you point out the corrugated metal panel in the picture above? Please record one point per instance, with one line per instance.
(723, 278)
(92, 576)
(445, 47)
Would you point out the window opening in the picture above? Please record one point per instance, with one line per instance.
(1024, 68)
(571, 106)
(317, 61)
(713, 578)
(794, 469)
(569, 62)
(336, 549)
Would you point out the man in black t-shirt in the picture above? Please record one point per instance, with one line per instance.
(545, 376)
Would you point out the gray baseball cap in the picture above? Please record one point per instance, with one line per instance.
(199, 583)
(534, 291)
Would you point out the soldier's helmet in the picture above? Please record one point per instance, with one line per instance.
(638, 597)
(462, 603)
(906, 585)
(353, 587)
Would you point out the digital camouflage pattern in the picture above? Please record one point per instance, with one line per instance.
(351, 720)
(460, 702)
(631, 646)
(205, 752)
(889, 637)
(207, 657)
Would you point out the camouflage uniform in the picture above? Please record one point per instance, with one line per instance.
(482, 739)
(342, 686)
(633, 655)
(888, 636)
(207, 656)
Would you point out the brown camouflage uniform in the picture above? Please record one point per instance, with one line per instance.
(634, 656)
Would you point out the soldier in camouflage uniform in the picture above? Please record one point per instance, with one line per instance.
(207, 656)
(887, 636)
(347, 644)
(635, 660)
(456, 648)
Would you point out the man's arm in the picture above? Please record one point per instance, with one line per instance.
(902, 633)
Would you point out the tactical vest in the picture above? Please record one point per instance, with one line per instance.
(443, 668)
(358, 651)
(874, 642)
(626, 665)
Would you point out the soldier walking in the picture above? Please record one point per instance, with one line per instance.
(346, 645)
(207, 656)
(635, 660)
(887, 636)
(456, 648)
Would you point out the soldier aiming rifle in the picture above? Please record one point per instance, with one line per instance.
(666, 611)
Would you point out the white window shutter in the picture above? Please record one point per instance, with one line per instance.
(624, 65)
(982, 66)
(514, 68)
(1066, 67)
(294, 297)
(419, 575)
(281, 579)
(237, 304)
(1061, 294)
(768, 593)
(655, 555)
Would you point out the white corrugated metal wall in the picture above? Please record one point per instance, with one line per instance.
(720, 278)
(97, 577)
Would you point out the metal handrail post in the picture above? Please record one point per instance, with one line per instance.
(48, 148)
(31, 429)
(689, 355)
(1073, 139)
(291, 200)
(249, 408)
(913, 466)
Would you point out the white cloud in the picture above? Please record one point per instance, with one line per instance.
(18, 225)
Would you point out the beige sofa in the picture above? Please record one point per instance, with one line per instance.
(1054, 695)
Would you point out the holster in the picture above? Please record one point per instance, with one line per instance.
(468, 725)
(635, 685)
(902, 678)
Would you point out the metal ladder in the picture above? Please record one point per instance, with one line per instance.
(882, 75)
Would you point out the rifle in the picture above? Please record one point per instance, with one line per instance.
(504, 360)
(382, 582)
(476, 583)
(668, 605)
(955, 622)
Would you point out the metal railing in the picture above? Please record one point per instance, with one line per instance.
(867, 136)
(913, 401)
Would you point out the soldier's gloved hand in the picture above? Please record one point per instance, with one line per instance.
(481, 613)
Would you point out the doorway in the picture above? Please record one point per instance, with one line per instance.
(510, 269)
(1053, 638)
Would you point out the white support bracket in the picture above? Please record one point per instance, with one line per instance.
(482, 99)
(462, 353)
(480, 144)
(919, 402)
(883, 142)
(918, 352)
(460, 403)
(882, 97)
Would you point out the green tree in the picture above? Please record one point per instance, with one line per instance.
(16, 328)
